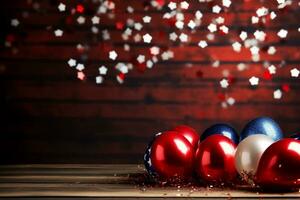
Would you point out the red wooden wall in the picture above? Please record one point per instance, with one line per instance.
(48, 115)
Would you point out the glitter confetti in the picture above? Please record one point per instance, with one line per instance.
(295, 72)
(254, 81)
(113, 55)
(183, 26)
(58, 33)
(282, 33)
(277, 94)
(147, 38)
(224, 83)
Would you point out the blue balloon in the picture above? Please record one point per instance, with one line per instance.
(262, 125)
(222, 129)
(296, 136)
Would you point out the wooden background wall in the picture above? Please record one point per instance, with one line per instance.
(49, 116)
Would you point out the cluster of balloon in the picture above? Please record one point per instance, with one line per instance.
(265, 159)
(259, 155)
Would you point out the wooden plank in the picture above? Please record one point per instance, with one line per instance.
(150, 111)
(238, 5)
(232, 19)
(76, 188)
(224, 53)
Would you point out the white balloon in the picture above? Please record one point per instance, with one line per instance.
(249, 152)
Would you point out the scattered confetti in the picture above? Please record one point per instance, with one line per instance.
(282, 33)
(15, 22)
(58, 33)
(295, 72)
(102, 70)
(277, 94)
(113, 55)
(147, 38)
(254, 81)
(224, 83)
(72, 62)
(202, 44)
(61, 7)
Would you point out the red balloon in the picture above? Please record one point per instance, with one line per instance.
(189, 133)
(279, 166)
(172, 155)
(215, 159)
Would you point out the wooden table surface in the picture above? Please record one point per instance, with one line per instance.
(105, 182)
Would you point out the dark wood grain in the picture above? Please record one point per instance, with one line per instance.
(106, 181)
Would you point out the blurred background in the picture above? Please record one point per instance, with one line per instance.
(54, 111)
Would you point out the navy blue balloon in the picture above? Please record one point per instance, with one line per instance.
(222, 129)
(147, 158)
(262, 125)
(296, 136)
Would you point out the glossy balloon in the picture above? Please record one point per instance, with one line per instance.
(279, 166)
(262, 125)
(189, 133)
(249, 152)
(222, 129)
(214, 160)
(296, 136)
(172, 155)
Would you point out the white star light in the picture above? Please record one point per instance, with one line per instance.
(141, 58)
(243, 35)
(81, 20)
(72, 62)
(277, 94)
(99, 79)
(113, 55)
(172, 5)
(147, 38)
(237, 46)
(262, 11)
(202, 44)
(224, 83)
(138, 26)
(173, 36)
(254, 50)
(230, 101)
(154, 50)
(183, 37)
(184, 5)
(95, 20)
(58, 33)
(146, 19)
(254, 20)
(191, 24)
(15, 22)
(282, 33)
(198, 14)
(273, 15)
(272, 69)
(226, 3)
(61, 7)
(216, 9)
(224, 28)
(102, 70)
(254, 80)
(271, 50)
(212, 28)
(295, 72)
(80, 67)
(259, 35)
(179, 24)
